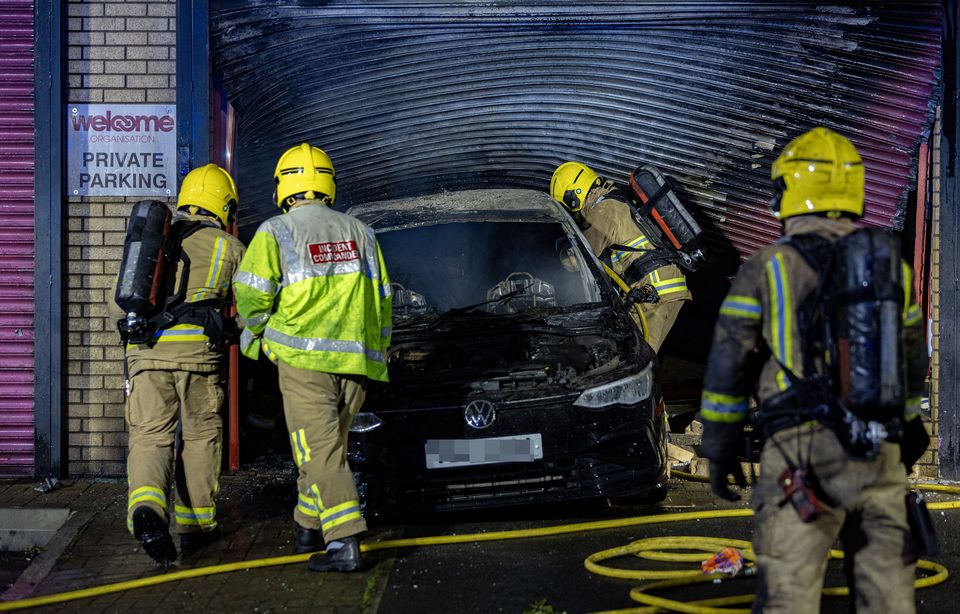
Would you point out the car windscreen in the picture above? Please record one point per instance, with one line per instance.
(501, 267)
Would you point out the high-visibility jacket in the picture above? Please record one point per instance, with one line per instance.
(609, 221)
(214, 258)
(313, 292)
(762, 312)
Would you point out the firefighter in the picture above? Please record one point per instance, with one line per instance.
(176, 378)
(822, 475)
(314, 296)
(606, 219)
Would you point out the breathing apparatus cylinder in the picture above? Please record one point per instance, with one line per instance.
(867, 297)
(142, 282)
(664, 219)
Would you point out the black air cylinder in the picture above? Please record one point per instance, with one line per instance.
(869, 296)
(664, 219)
(140, 284)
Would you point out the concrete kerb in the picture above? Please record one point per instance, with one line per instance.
(26, 528)
(41, 566)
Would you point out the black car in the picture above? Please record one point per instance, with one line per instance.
(516, 376)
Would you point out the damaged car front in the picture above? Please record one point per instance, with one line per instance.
(516, 377)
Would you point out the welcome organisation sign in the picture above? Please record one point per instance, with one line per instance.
(121, 150)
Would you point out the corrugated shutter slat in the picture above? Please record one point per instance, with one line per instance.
(16, 239)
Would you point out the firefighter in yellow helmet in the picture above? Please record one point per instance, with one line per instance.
(606, 219)
(314, 296)
(836, 449)
(175, 377)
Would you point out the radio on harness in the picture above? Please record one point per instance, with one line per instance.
(663, 218)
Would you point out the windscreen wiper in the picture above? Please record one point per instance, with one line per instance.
(468, 308)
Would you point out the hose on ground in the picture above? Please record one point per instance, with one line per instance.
(691, 549)
(685, 577)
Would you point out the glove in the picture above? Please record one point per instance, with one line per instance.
(642, 294)
(231, 332)
(914, 443)
(719, 471)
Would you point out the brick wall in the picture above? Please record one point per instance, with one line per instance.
(119, 51)
(929, 465)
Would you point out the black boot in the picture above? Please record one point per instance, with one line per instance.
(193, 542)
(151, 530)
(306, 540)
(341, 555)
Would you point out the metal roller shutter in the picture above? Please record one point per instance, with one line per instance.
(417, 97)
(410, 97)
(16, 237)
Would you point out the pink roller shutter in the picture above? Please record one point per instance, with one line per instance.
(16, 238)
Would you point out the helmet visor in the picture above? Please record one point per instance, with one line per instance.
(779, 187)
(571, 199)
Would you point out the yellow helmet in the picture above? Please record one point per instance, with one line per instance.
(571, 183)
(820, 171)
(306, 170)
(210, 188)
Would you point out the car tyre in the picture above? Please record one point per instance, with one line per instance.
(650, 497)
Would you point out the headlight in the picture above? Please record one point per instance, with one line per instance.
(364, 422)
(627, 391)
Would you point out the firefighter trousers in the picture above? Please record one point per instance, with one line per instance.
(319, 408)
(159, 400)
(868, 515)
(660, 318)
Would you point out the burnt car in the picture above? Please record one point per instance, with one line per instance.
(516, 376)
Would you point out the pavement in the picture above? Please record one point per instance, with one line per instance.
(531, 576)
(254, 508)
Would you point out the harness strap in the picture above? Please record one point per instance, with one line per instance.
(176, 309)
(861, 439)
(652, 200)
(637, 270)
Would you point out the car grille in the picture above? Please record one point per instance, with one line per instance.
(500, 489)
(507, 485)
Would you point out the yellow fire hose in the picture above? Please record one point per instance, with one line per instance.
(690, 549)
(697, 548)
(626, 290)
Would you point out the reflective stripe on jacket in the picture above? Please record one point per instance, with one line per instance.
(761, 311)
(214, 258)
(313, 291)
(610, 222)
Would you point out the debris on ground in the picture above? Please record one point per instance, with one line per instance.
(48, 485)
(728, 561)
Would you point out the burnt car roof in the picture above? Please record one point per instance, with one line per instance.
(489, 204)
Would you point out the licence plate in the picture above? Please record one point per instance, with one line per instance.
(441, 453)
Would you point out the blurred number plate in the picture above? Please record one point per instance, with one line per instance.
(460, 452)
